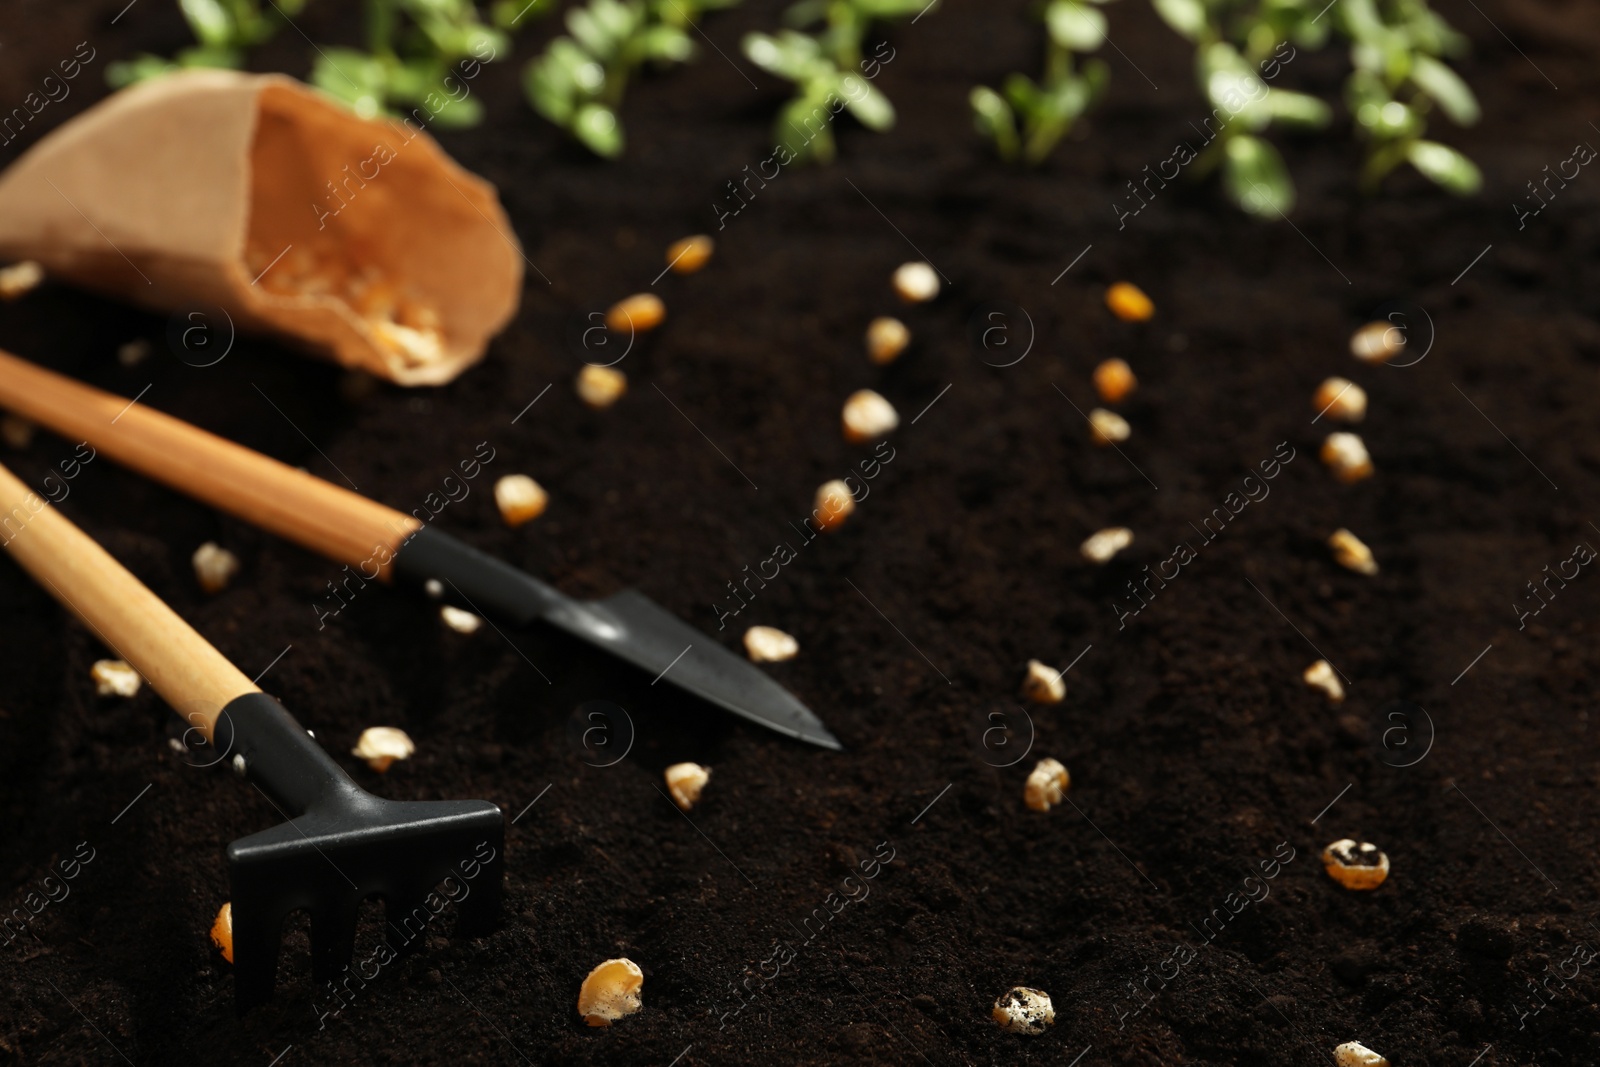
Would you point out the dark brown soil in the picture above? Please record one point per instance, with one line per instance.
(1197, 756)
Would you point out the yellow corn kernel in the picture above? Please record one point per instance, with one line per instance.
(690, 254)
(639, 313)
(611, 991)
(1128, 302)
(1114, 380)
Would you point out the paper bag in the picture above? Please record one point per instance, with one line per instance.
(358, 238)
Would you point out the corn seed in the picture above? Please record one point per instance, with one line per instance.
(610, 992)
(382, 745)
(1107, 427)
(1355, 865)
(886, 338)
(520, 499)
(20, 279)
(1043, 684)
(114, 678)
(1114, 380)
(868, 417)
(639, 313)
(1102, 545)
(462, 622)
(833, 504)
(1321, 675)
(1025, 1011)
(1355, 1054)
(1345, 454)
(916, 283)
(685, 781)
(1046, 785)
(1128, 302)
(1341, 399)
(214, 566)
(767, 644)
(600, 387)
(222, 931)
(1377, 342)
(1350, 552)
(690, 254)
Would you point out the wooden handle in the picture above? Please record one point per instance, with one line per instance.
(196, 679)
(274, 496)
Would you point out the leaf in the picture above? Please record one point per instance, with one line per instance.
(994, 119)
(597, 127)
(890, 9)
(1188, 17)
(1445, 167)
(548, 91)
(210, 22)
(591, 33)
(1074, 26)
(139, 68)
(1298, 109)
(1256, 178)
(866, 103)
(1446, 88)
(359, 79)
(666, 43)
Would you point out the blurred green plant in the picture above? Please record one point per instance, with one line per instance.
(413, 46)
(827, 68)
(1047, 109)
(1236, 43)
(579, 81)
(1398, 79)
(224, 30)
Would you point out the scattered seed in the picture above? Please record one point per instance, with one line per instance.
(886, 338)
(1345, 454)
(1377, 342)
(639, 313)
(610, 992)
(767, 644)
(685, 781)
(462, 622)
(1043, 684)
(17, 431)
(690, 254)
(214, 566)
(1321, 675)
(1025, 1011)
(1341, 399)
(222, 930)
(133, 353)
(20, 279)
(834, 503)
(1114, 380)
(1046, 785)
(382, 745)
(1128, 302)
(434, 588)
(1351, 552)
(114, 678)
(916, 282)
(1355, 1054)
(1100, 546)
(600, 387)
(418, 348)
(868, 417)
(1355, 866)
(1108, 427)
(520, 499)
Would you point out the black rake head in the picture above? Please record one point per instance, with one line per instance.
(342, 846)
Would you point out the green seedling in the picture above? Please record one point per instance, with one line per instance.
(1397, 81)
(224, 30)
(579, 82)
(1046, 109)
(828, 70)
(1239, 47)
(420, 53)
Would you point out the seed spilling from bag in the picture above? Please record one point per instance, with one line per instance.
(768, 644)
(1377, 342)
(886, 338)
(1350, 552)
(1340, 399)
(690, 254)
(867, 416)
(1114, 380)
(1024, 1011)
(1043, 684)
(1129, 303)
(1345, 454)
(1321, 675)
(1047, 784)
(611, 992)
(1355, 865)
(916, 283)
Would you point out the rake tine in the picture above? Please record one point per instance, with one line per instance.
(333, 940)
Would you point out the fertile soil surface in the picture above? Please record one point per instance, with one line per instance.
(1176, 910)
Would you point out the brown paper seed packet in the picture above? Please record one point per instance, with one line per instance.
(359, 239)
